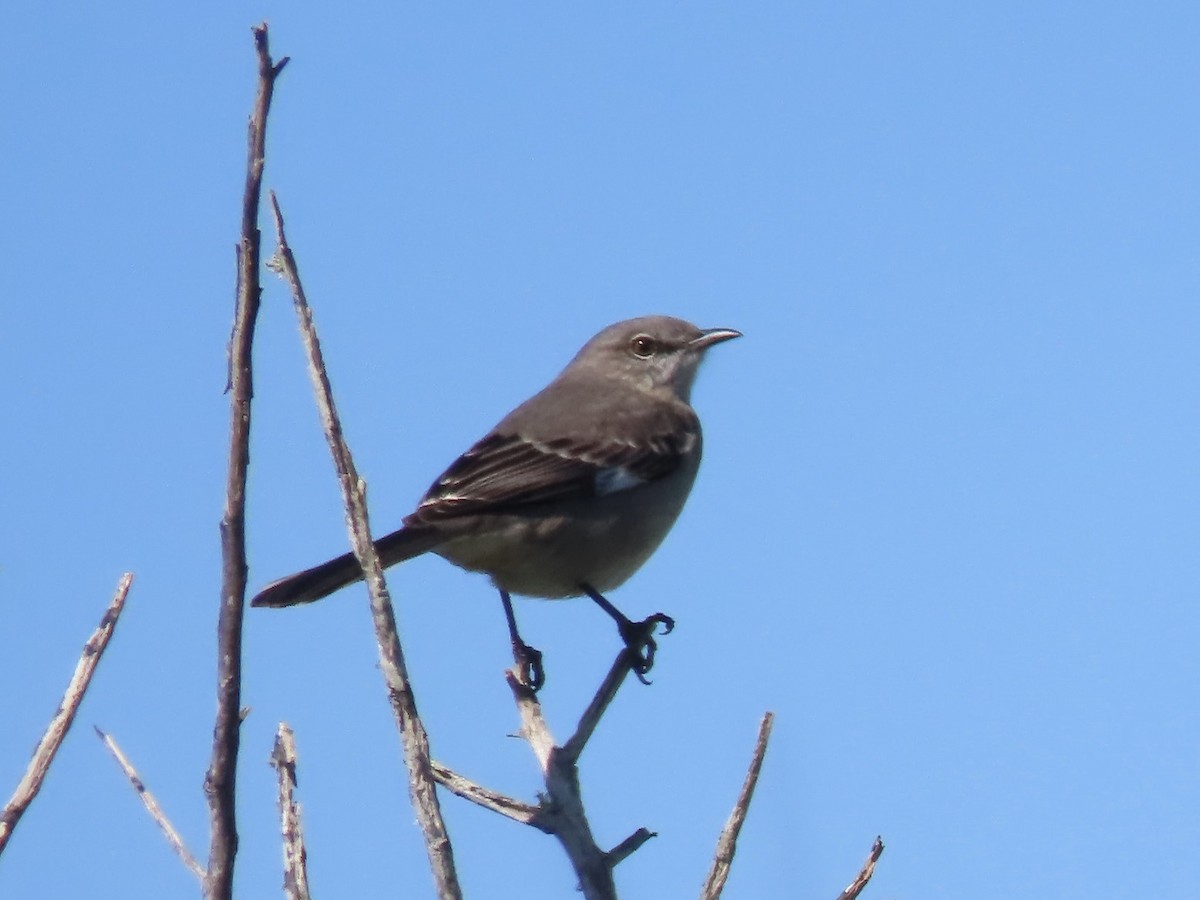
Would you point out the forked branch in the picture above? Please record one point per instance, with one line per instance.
(561, 811)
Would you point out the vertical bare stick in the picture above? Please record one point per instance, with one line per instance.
(868, 869)
(295, 856)
(220, 781)
(43, 754)
(151, 803)
(727, 844)
(421, 784)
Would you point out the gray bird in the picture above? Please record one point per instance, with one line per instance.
(570, 493)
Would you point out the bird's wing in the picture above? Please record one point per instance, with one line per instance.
(504, 472)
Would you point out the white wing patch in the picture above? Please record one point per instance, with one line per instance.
(616, 478)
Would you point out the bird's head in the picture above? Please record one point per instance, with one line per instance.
(653, 352)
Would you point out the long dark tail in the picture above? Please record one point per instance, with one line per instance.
(321, 581)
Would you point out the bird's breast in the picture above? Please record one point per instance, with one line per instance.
(550, 551)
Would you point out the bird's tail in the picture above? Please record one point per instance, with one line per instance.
(321, 581)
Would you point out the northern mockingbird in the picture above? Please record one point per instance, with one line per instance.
(570, 493)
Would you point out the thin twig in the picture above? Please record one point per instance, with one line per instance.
(868, 869)
(629, 846)
(422, 787)
(487, 798)
(727, 843)
(591, 716)
(151, 803)
(295, 856)
(220, 781)
(56, 731)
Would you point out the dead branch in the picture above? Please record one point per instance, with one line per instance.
(629, 846)
(591, 716)
(485, 797)
(422, 787)
(151, 803)
(295, 855)
(561, 811)
(868, 869)
(727, 843)
(221, 778)
(56, 731)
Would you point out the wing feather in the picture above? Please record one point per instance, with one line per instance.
(505, 472)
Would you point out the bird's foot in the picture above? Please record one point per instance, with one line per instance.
(529, 665)
(640, 643)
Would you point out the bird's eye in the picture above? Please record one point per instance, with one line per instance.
(643, 346)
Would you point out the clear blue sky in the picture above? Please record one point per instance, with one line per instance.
(947, 524)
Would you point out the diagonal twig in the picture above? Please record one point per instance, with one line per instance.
(220, 780)
(591, 716)
(629, 846)
(487, 798)
(56, 731)
(151, 804)
(864, 876)
(727, 843)
(421, 785)
(295, 855)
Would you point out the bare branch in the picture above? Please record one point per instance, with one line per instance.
(56, 731)
(562, 812)
(152, 807)
(727, 843)
(422, 788)
(533, 725)
(295, 856)
(629, 846)
(868, 869)
(487, 798)
(221, 778)
(591, 716)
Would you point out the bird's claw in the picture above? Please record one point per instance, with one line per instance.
(529, 665)
(664, 620)
(640, 643)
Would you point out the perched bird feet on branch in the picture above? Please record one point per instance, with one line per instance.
(529, 665)
(640, 643)
(638, 636)
(528, 659)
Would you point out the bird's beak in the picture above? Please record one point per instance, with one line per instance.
(712, 336)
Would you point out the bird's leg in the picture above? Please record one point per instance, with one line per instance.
(528, 659)
(638, 636)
